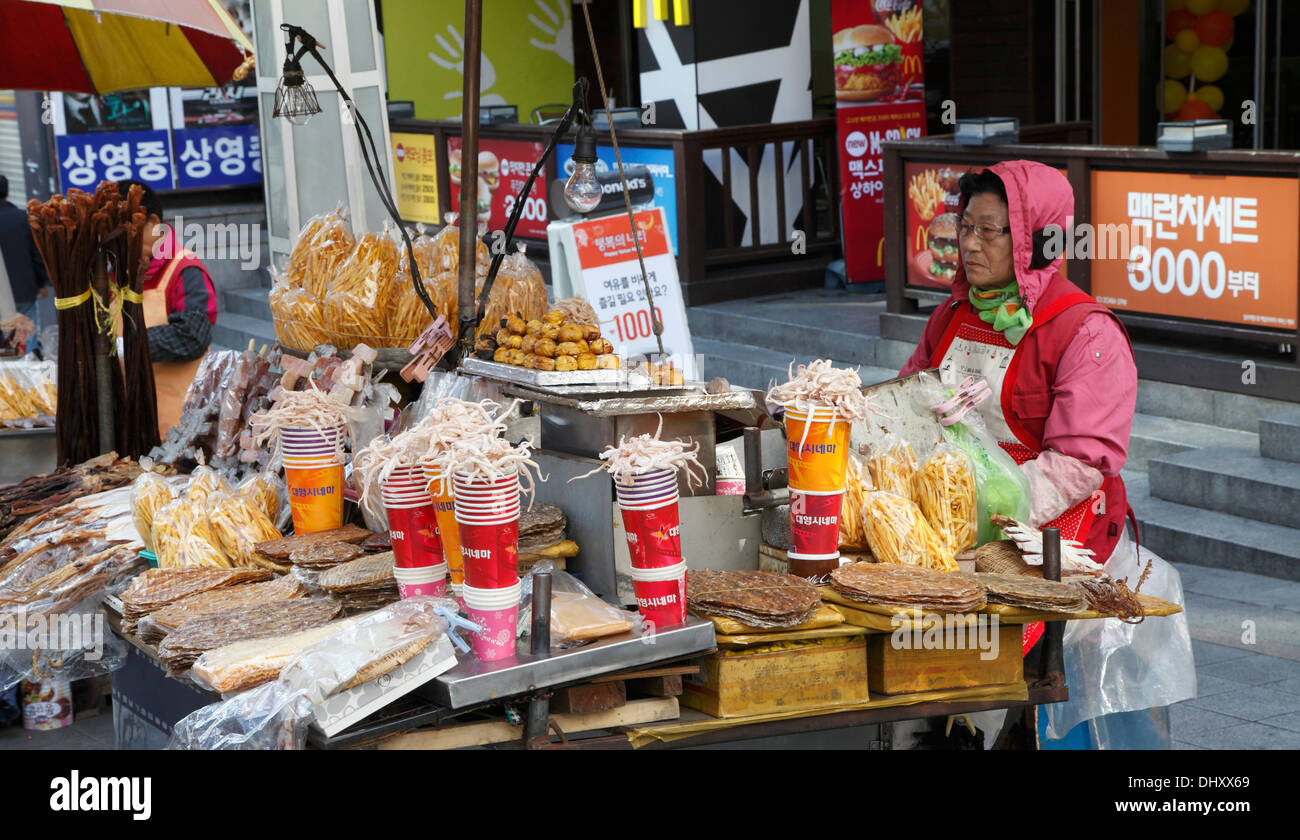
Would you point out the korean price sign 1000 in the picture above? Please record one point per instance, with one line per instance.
(1217, 248)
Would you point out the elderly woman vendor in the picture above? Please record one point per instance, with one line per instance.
(1064, 383)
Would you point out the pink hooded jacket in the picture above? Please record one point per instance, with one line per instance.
(1095, 391)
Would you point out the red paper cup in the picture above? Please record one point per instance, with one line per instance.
(458, 593)
(490, 552)
(425, 580)
(414, 534)
(496, 610)
(654, 536)
(661, 594)
(814, 532)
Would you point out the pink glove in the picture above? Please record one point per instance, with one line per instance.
(1057, 483)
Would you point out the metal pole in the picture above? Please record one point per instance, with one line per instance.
(1053, 661)
(105, 355)
(537, 728)
(469, 171)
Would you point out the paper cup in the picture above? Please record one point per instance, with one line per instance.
(491, 553)
(458, 594)
(814, 533)
(425, 580)
(414, 534)
(315, 497)
(642, 497)
(496, 611)
(487, 511)
(817, 448)
(444, 511)
(653, 536)
(661, 594)
(730, 487)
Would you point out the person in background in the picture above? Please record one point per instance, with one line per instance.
(180, 307)
(21, 266)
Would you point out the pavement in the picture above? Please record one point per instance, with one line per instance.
(1246, 641)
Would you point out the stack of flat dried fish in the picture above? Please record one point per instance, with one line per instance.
(154, 626)
(68, 585)
(157, 588)
(324, 555)
(1034, 594)
(758, 599)
(187, 642)
(362, 584)
(542, 537)
(251, 662)
(278, 553)
(909, 586)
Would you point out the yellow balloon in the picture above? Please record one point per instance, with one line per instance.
(1200, 7)
(1209, 63)
(1234, 7)
(1177, 63)
(1211, 95)
(1174, 95)
(1187, 40)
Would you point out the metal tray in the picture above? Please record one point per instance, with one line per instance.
(544, 378)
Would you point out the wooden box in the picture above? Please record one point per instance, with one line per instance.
(897, 664)
(778, 677)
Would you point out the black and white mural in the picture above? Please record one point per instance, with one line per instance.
(739, 62)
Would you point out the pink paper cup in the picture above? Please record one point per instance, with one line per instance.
(422, 580)
(496, 611)
(661, 594)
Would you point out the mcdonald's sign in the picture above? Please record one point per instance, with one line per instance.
(658, 9)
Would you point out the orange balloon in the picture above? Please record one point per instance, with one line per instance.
(1215, 28)
(1194, 109)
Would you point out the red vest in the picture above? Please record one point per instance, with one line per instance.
(1027, 399)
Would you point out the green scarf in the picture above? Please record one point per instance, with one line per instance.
(1004, 309)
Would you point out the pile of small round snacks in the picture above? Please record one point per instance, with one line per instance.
(549, 344)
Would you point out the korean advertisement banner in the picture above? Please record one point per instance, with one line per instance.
(503, 169)
(415, 158)
(658, 161)
(1213, 247)
(879, 96)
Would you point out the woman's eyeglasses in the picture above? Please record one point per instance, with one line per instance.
(987, 232)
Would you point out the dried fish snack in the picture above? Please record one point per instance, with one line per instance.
(157, 624)
(758, 599)
(944, 489)
(156, 588)
(187, 642)
(909, 586)
(374, 570)
(820, 384)
(280, 550)
(853, 523)
(1113, 597)
(149, 493)
(266, 490)
(239, 525)
(891, 464)
(247, 663)
(898, 533)
(1034, 593)
(325, 555)
(204, 481)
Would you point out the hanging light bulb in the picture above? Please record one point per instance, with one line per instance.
(582, 191)
(295, 98)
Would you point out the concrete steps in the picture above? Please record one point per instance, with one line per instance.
(759, 368)
(1239, 482)
(1279, 437)
(235, 330)
(253, 302)
(1186, 534)
(1159, 437)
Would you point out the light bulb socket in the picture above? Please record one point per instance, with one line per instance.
(584, 147)
(292, 75)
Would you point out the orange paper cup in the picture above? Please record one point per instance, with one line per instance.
(315, 497)
(444, 512)
(818, 450)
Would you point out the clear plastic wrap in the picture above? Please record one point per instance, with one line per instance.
(27, 393)
(898, 533)
(356, 306)
(1002, 487)
(578, 615)
(150, 492)
(276, 715)
(238, 523)
(944, 489)
(518, 289)
(267, 491)
(299, 318)
(891, 464)
(203, 482)
(1112, 667)
(170, 522)
(857, 484)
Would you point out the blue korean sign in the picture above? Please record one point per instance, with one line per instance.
(658, 161)
(87, 159)
(217, 156)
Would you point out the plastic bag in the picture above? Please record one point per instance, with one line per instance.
(324, 242)
(267, 491)
(898, 532)
(891, 463)
(356, 307)
(1114, 667)
(853, 524)
(299, 318)
(578, 615)
(518, 288)
(170, 522)
(276, 715)
(150, 492)
(945, 491)
(204, 481)
(238, 523)
(446, 252)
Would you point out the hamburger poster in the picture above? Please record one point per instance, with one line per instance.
(879, 96)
